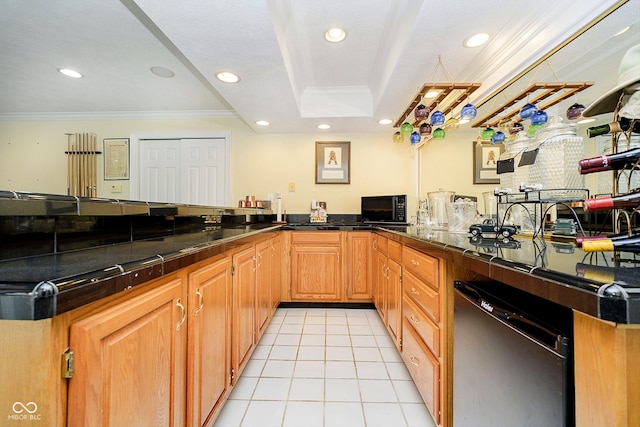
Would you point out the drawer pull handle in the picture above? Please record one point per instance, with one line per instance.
(414, 319)
(183, 314)
(414, 291)
(414, 262)
(415, 360)
(200, 302)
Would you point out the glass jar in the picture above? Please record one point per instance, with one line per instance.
(438, 201)
(514, 213)
(520, 174)
(559, 153)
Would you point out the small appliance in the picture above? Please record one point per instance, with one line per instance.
(384, 209)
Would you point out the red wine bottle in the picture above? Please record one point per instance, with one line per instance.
(629, 244)
(580, 239)
(629, 200)
(622, 160)
(622, 125)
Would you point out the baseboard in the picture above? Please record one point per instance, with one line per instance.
(303, 304)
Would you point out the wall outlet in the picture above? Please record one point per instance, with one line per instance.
(116, 188)
(292, 186)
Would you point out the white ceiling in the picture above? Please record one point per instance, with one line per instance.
(289, 75)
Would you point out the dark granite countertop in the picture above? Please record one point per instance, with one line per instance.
(598, 284)
(43, 286)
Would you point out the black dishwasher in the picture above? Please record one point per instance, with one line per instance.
(513, 362)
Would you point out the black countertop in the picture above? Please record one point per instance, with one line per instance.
(43, 286)
(38, 287)
(605, 285)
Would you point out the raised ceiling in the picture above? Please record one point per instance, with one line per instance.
(289, 74)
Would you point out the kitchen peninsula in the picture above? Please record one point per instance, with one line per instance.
(94, 274)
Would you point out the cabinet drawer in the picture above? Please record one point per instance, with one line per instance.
(394, 250)
(317, 237)
(424, 369)
(425, 298)
(422, 265)
(426, 329)
(380, 243)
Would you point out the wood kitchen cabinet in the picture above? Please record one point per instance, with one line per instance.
(388, 285)
(359, 263)
(276, 270)
(379, 275)
(316, 266)
(130, 361)
(423, 329)
(209, 341)
(263, 287)
(243, 335)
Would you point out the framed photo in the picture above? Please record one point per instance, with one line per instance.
(485, 161)
(333, 162)
(116, 159)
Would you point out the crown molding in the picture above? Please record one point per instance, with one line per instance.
(120, 115)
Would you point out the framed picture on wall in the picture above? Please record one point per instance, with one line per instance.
(333, 160)
(116, 159)
(485, 161)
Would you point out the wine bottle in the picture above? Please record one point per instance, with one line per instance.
(622, 125)
(606, 274)
(629, 200)
(580, 239)
(622, 160)
(629, 244)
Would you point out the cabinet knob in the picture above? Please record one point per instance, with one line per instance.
(414, 291)
(414, 319)
(415, 360)
(414, 262)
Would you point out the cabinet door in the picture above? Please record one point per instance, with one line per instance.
(316, 273)
(359, 285)
(394, 300)
(276, 271)
(380, 275)
(209, 352)
(130, 362)
(244, 307)
(263, 287)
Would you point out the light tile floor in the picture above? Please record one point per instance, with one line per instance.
(326, 368)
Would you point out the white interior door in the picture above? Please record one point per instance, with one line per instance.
(203, 171)
(186, 170)
(160, 171)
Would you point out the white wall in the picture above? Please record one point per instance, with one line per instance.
(32, 159)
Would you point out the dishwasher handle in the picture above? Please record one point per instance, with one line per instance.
(519, 323)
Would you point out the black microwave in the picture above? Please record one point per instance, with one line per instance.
(384, 209)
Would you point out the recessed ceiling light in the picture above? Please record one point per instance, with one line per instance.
(162, 72)
(622, 31)
(227, 77)
(385, 121)
(431, 94)
(263, 123)
(324, 126)
(70, 73)
(335, 35)
(463, 121)
(583, 121)
(476, 40)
